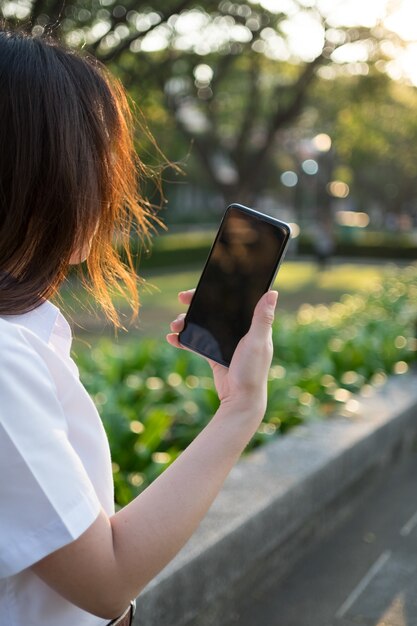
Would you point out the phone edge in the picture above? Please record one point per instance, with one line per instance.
(286, 227)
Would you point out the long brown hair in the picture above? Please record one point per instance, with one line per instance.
(68, 169)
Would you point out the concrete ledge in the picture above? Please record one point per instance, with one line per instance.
(269, 497)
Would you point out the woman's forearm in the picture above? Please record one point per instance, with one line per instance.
(149, 531)
(116, 557)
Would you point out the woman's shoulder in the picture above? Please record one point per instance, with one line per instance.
(13, 336)
(26, 360)
(22, 359)
(17, 340)
(28, 384)
(32, 360)
(33, 333)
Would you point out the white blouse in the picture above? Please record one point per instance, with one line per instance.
(55, 465)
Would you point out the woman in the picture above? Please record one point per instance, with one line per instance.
(68, 186)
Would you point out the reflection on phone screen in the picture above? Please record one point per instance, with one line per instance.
(240, 268)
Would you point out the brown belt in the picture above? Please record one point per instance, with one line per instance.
(126, 619)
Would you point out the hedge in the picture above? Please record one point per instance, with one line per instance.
(191, 248)
(155, 399)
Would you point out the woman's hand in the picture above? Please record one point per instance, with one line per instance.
(245, 381)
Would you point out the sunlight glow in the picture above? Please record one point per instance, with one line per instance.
(301, 38)
(305, 36)
(404, 20)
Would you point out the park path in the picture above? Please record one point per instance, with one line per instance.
(364, 573)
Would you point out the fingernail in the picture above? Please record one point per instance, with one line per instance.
(272, 298)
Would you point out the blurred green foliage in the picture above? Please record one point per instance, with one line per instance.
(228, 95)
(154, 399)
(191, 248)
(372, 122)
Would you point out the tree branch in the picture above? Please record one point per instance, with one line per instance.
(112, 55)
(221, 69)
(250, 112)
(52, 10)
(281, 117)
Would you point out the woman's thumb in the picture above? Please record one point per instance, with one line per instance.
(263, 315)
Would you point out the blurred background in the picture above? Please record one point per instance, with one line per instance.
(304, 109)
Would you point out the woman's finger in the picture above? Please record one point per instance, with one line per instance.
(172, 338)
(178, 324)
(263, 315)
(186, 296)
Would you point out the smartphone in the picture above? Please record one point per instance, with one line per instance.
(241, 266)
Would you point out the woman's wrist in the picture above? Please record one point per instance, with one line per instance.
(245, 413)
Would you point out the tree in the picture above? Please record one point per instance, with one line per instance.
(225, 75)
(373, 123)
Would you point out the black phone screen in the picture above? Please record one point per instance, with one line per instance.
(241, 267)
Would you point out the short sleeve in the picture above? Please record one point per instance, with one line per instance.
(46, 497)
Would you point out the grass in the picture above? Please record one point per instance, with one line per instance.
(298, 282)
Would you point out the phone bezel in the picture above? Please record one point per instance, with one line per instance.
(253, 212)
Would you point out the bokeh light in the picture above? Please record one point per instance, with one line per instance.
(289, 178)
(338, 189)
(310, 167)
